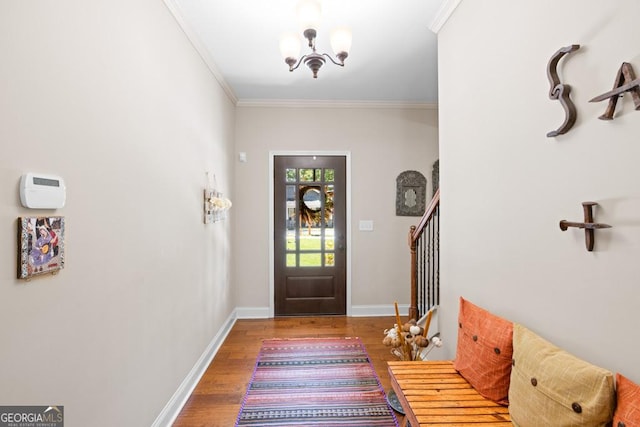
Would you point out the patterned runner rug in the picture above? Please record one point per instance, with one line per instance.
(315, 382)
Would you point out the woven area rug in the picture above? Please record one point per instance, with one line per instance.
(315, 382)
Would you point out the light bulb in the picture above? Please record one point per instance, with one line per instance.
(341, 40)
(290, 46)
(309, 12)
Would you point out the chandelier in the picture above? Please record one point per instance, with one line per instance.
(309, 16)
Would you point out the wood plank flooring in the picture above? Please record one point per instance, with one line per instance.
(216, 400)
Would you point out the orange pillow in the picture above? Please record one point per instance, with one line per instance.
(484, 351)
(627, 411)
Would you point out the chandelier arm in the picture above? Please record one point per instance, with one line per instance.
(332, 60)
(300, 61)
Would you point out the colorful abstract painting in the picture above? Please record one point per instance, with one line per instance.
(40, 245)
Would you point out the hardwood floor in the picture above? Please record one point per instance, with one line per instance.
(217, 398)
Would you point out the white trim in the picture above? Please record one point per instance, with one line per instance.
(272, 154)
(349, 240)
(172, 409)
(310, 103)
(193, 37)
(252, 313)
(443, 14)
(379, 310)
(272, 280)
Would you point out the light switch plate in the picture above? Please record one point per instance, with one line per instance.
(365, 225)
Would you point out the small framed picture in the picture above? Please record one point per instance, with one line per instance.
(40, 245)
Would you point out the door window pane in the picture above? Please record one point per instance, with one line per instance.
(291, 260)
(310, 243)
(329, 174)
(291, 240)
(306, 175)
(291, 175)
(329, 259)
(291, 207)
(310, 260)
(329, 242)
(328, 205)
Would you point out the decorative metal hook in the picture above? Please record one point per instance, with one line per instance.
(588, 224)
(625, 82)
(561, 91)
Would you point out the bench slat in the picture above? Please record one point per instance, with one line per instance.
(472, 424)
(459, 411)
(417, 402)
(449, 419)
(433, 393)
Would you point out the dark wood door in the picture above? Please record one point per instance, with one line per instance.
(310, 235)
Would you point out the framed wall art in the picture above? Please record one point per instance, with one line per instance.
(411, 191)
(40, 245)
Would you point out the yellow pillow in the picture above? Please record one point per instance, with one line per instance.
(550, 387)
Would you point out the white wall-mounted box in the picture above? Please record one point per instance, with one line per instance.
(40, 191)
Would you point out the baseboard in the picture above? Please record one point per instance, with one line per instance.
(252, 312)
(378, 310)
(356, 311)
(172, 409)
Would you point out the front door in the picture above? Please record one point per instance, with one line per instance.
(309, 230)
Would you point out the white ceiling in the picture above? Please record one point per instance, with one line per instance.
(392, 59)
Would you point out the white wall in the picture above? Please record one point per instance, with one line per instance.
(111, 96)
(505, 185)
(383, 142)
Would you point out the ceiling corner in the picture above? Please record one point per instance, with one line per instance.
(443, 15)
(197, 44)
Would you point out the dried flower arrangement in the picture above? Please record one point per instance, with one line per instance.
(409, 341)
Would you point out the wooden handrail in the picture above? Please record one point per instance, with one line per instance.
(415, 232)
(428, 213)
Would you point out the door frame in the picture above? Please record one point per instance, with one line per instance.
(272, 155)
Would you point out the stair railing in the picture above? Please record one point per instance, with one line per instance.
(424, 243)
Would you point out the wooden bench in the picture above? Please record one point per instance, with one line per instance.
(433, 393)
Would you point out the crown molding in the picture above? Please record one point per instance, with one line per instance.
(443, 14)
(193, 37)
(304, 103)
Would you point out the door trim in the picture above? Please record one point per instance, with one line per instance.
(272, 155)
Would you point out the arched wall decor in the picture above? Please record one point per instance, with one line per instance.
(411, 194)
(435, 176)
